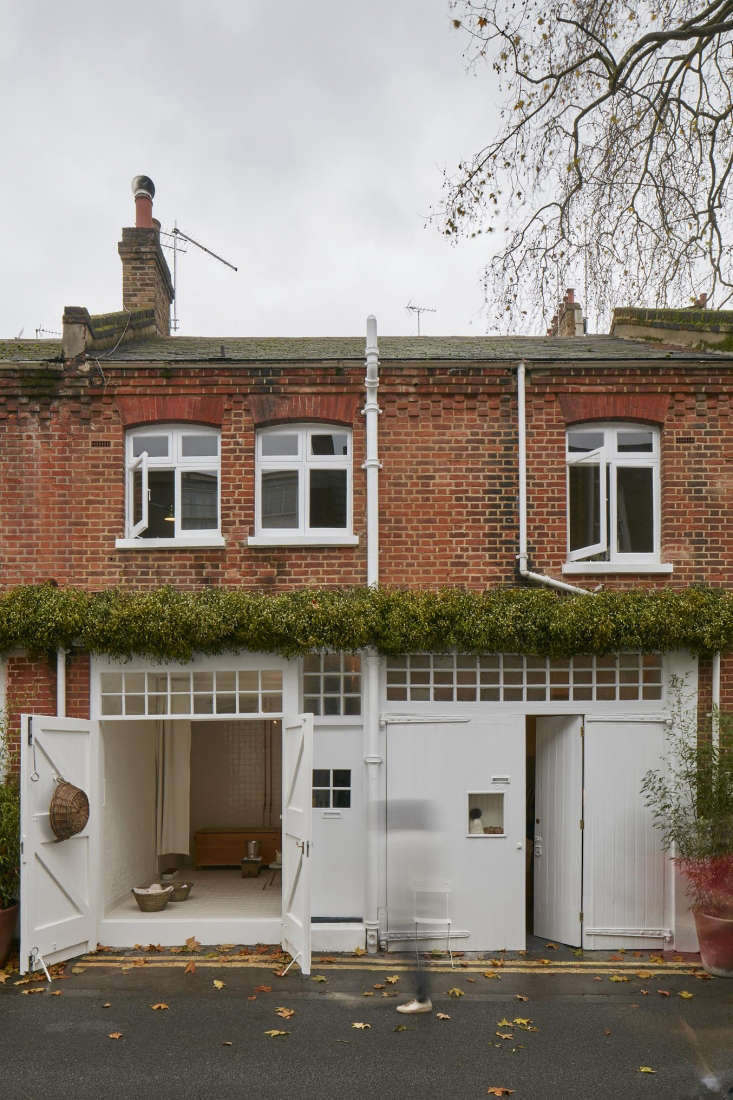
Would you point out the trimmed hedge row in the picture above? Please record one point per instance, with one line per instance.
(171, 624)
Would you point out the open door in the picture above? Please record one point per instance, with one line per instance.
(297, 838)
(558, 838)
(57, 878)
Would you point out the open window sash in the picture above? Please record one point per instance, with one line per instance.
(140, 463)
(593, 501)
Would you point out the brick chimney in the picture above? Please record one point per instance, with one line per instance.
(146, 279)
(568, 321)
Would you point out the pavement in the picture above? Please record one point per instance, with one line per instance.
(222, 1021)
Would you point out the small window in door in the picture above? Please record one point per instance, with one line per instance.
(485, 813)
(332, 788)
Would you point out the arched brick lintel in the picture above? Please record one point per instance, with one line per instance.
(330, 408)
(186, 409)
(649, 407)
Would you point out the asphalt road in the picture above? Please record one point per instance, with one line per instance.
(586, 1036)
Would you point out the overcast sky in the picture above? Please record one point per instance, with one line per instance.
(305, 142)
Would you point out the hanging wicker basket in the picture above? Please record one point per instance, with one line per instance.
(69, 810)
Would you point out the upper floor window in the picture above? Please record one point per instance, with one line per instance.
(172, 483)
(304, 484)
(613, 493)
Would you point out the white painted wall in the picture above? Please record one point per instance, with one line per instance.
(339, 836)
(128, 812)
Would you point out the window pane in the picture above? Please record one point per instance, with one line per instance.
(155, 445)
(321, 800)
(636, 441)
(634, 506)
(585, 510)
(331, 443)
(327, 498)
(161, 518)
(199, 501)
(342, 800)
(321, 777)
(280, 498)
(584, 441)
(194, 446)
(342, 777)
(282, 443)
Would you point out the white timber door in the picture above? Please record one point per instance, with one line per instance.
(558, 833)
(297, 839)
(439, 769)
(58, 878)
(624, 868)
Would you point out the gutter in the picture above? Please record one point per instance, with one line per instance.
(527, 574)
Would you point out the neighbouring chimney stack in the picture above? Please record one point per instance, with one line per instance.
(568, 321)
(146, 279)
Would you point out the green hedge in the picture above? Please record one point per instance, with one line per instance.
(168, 623)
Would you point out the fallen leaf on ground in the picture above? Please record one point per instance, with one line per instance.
(520, 997)
(399, 1027)
(192, 943)
(359, 951)
(227, 1043)
(286, 1013)
(379, 985)
(153, 948)
(606, 1031)
(115, 1035)
(161, 1006)
(491, 974)
(644, 992)
(598, 978)
(455, 992)
(361, 1026)
(442, 1016)
(643, 974)
(504, 1022)
(505, 1034)
(685, 995)
(318, 978)
(545, 962)
(552, 946)
(521, 1021)
(663, 992)
(217, 983)
(57, 993)
(392, 979)
(646, 1069)
(190, 967)
(26, 992)
(472, 980)
(252, 997)
(78, 969)
(107, 1004)
(178, 950)
(3, 976)
(368, 993)
(226, 946)
(618, 978)
(263, 989)
(273, 1033)
(578, 952)
(656, 959)
(498, 1090)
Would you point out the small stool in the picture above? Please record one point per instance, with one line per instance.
(251, 867)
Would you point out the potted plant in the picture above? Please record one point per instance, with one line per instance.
(691, 799)
(9, 844)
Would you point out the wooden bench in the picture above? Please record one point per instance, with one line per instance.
(227, 847)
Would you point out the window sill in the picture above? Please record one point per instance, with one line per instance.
(303, 540)
(209, 542)
(579, 567)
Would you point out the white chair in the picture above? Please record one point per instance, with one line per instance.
(432, 914)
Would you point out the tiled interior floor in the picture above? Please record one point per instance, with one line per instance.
(217, 892)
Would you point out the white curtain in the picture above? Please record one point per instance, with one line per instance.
(173, 764)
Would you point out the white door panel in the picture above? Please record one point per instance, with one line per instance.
(58, 878)
(624, 877)
(297, 839)
(558, 846)
(434, 767)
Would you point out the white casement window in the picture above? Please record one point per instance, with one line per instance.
(613, 494)
(304, 486)
(172, 486)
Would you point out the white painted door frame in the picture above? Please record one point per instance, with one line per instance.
(297, 839)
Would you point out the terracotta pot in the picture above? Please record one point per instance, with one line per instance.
(8, 918)
(715, 936)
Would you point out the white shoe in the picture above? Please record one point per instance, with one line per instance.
(415, 1006)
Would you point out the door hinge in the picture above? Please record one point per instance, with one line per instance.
(581, 823)
(580, 916)
(30, 731)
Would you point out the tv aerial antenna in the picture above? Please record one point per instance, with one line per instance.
(177, 236)
(418, 310)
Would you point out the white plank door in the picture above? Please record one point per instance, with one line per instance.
(58, 879)
(437, 770)
(624, 868)
(558, 837)
(297, 839)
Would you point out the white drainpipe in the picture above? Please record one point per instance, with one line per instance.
(716, 698)
(540, 578)
(61, 682)
(373, 756)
